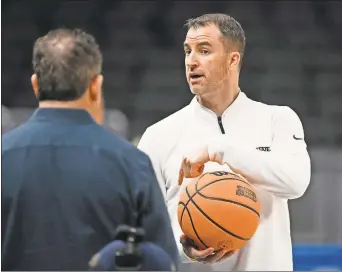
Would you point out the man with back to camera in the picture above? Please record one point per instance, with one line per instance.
(263, 143)
(67, 183)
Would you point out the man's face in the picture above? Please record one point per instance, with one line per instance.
(206, 59)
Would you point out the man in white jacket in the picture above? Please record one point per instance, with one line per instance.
(223, 129)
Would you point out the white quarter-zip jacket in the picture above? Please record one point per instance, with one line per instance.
(264, 143)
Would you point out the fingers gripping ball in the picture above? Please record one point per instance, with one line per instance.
(219, 210)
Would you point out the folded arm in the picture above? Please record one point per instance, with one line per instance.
(284, 169)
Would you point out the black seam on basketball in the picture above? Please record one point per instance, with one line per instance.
(189, 198)
(198, 192)
(181, 217)
(212, 221)
(217, 180)
(192, 224)
(195, 192)
(212, 182)
(230, 201)
(222, 199)
(239, 178)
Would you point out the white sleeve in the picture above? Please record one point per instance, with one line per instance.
(285, 170)
(148, 144)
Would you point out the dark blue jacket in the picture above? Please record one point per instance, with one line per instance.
(67, 184)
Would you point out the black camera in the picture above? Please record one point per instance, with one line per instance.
(129, 257)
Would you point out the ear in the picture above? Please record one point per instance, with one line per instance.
(234, 60)
(95, 89)
(35, 86)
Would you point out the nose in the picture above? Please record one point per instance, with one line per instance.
(191, 61)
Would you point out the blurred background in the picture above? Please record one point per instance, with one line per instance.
(293, 57)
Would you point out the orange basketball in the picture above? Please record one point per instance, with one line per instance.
(219, 210)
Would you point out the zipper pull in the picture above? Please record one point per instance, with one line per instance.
(219, 119)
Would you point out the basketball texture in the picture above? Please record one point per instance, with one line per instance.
(219, 210)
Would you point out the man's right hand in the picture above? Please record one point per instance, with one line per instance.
(206, 256)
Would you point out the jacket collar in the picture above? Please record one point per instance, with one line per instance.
(61, 115)
(206, 113)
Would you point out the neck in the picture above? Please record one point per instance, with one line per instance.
(62, 104)
(219, 100)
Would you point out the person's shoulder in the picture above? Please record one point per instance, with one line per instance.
(113, 143)
(272, 110)
(12, 138)
(103, 138)
(128, 154)
(6, 136)
(154, 138)
(170, 124)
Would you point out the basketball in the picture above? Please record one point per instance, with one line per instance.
(219, 210)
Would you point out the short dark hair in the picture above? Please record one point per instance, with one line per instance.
(65, 61)
(228, 26)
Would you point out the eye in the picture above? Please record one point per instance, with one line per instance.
(187, 52)
(205, 51)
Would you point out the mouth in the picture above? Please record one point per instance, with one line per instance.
(195, 77)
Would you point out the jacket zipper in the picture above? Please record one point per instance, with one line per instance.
(219, 119)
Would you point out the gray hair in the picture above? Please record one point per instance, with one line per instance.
(228, 26)
(65, 61)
